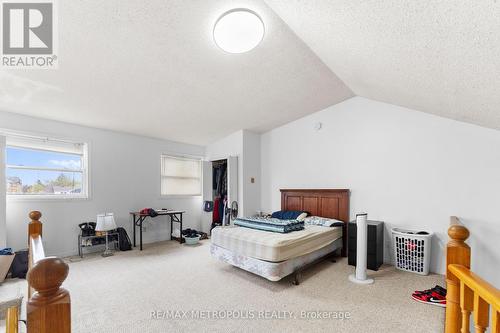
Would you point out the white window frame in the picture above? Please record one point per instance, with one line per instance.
(85, 170)
(182, 157)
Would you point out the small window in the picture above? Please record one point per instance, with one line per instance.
(180, 176)
(41, 167)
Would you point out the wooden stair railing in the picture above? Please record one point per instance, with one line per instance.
(48, 308)
(467, 293)
(12, 320)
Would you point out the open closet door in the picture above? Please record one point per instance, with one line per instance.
(207, 181)
(232, 180)
(207, 192)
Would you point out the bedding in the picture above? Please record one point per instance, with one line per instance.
(301, 217)
(273, 271)
(270, 224)
(323, 221)
(287, 214)
(271, 246)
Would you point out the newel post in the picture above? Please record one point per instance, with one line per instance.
(457, 252)
(49, 309)
(35, 226)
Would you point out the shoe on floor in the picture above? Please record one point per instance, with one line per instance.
(433, 297)
(437, 289)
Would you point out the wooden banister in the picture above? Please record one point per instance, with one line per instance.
(48, 310)
(467, 292)
(457, 252)
(35, 226)
(12, 320)
(481, 287)
(37, 251)
(49, 305)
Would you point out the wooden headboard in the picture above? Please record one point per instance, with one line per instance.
(331, 203)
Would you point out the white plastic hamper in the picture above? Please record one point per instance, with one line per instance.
(412, 251)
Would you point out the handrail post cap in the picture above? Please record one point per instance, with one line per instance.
(458, 232)
(48, 274)
(35, 215)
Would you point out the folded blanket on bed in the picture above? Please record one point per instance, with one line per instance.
(323, 221)
(269, 224)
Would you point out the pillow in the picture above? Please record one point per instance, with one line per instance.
(323, 221)
(301, 217)
(287, 214)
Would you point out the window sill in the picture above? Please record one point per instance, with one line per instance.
(44, 198)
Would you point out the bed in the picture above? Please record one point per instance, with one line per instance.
(275, 255)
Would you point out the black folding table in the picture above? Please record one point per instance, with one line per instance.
(175, 216)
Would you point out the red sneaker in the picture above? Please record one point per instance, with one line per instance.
(432, 297)
(437, 289)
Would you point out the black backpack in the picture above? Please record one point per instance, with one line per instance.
(19, 266)
(125, 244)
(88, 228)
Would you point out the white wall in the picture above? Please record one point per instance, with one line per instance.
(251, 169)
(3, 224)
(404, 167)
(125, 176)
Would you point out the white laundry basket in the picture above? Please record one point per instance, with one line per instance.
(412, 250)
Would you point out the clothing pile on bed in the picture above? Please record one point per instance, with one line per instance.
(282, 222)
(285, 222)
(270, 224)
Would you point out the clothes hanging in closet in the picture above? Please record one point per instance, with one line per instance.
(216, 216)
(219, 179)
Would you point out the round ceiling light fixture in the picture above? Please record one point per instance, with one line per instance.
(238, 31)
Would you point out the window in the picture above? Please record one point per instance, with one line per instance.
(42, 167)
(180, 176)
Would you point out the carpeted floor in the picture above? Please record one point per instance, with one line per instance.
(120, 293)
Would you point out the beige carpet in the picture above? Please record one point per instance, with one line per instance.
(118, 294)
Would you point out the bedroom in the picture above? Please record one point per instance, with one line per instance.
(395, 101)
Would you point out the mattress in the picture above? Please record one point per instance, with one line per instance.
(273, 271)
(271, 246)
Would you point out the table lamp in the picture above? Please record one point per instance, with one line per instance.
(105, 223)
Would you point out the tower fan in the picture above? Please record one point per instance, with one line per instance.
(231, 213)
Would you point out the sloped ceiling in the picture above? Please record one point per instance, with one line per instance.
(440, 57)
(152, 68)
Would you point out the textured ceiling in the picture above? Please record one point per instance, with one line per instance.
(440, 57)
(152, 68)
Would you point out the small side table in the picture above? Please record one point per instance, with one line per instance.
(175, 216)
(112, 237)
